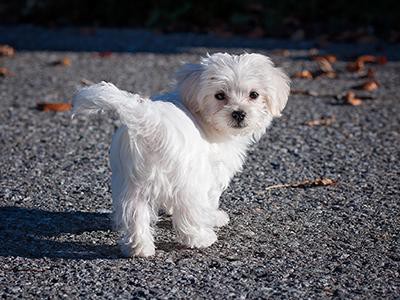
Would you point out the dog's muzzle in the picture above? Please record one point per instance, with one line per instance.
(239, 116)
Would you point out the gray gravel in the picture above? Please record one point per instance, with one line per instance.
(328, 242)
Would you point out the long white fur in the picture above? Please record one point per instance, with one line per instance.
(179, 152)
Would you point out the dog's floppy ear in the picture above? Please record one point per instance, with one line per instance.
(279, 87)
(187, 83)
(275, 81)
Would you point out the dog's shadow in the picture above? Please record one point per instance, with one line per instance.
(36, 233)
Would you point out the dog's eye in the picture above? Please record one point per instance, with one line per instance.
(253, 95)
(220, 96)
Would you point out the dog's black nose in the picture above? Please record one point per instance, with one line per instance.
(238, 115)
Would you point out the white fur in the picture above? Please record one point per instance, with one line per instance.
(179, 151)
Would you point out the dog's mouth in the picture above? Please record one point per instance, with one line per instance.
(239, 125)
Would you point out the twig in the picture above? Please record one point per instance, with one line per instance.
(305, 184)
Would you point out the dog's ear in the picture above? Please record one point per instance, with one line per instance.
(187, 83)
(275, 82)
(279, 86)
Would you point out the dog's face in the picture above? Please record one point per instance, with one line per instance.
(234, 94)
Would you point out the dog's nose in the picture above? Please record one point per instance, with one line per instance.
(238, 115)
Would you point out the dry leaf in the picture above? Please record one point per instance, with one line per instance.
(6, 50)
(350, 98)
(366, 59)
(5, 72)
(324, 64)
(372, 59)
(329, 57)
(369, 86)
(65, 62)
(360, 62)
(330, 74)
(324, 121)
(305, 74)
(355, 66)
(305, 184)
(61, 106)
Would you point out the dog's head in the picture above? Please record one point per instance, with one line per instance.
(234, 94)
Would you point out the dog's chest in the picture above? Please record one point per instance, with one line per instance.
(226, 161)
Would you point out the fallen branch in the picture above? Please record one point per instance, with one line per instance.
(305, 184)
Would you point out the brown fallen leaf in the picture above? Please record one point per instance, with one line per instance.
(355, 66)
(65, 62)
(330, 74)
(381, 60)
(5, 72)
(370, 86)
(360, 62)
(350, 98)
(366, 59)
(324, 121)
(331, 58)
(59, 107)
(6, 50)
(324, 64)
(308, 183)
(305, 74)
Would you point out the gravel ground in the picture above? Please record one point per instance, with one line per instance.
(337, 241)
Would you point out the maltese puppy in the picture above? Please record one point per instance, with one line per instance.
(179, 151)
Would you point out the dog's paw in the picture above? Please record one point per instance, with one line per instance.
(141, 250)
(203, 238)
(145, 251)
(221, 218)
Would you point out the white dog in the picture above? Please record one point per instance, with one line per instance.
(178, 152)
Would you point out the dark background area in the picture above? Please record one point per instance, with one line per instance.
(340, 20)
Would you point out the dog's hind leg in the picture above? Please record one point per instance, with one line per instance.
(137, 236)
(133, 215)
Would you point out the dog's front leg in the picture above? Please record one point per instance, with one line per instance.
(220, 217)
(193, 219)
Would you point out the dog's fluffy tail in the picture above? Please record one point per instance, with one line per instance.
(105, 96)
